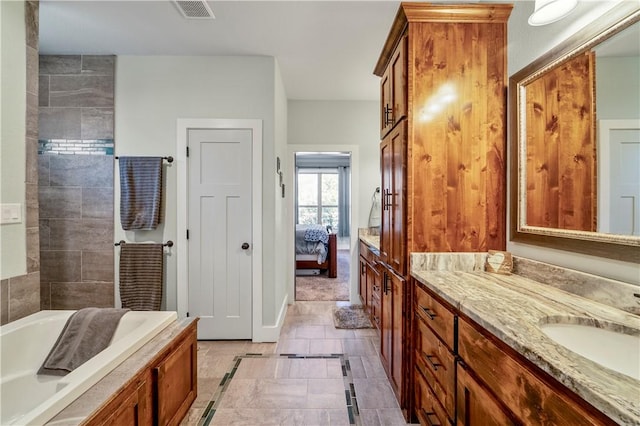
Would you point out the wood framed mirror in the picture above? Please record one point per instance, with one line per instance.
(575, 142)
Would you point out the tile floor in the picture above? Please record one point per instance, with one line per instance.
(273, 389)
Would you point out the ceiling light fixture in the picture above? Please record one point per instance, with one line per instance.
(548, 11)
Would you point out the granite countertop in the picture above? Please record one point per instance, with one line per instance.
(512, 307)
(370, 239)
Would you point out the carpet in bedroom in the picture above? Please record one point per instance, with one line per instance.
(321, 287)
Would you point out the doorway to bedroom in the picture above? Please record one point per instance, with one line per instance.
(323, 226)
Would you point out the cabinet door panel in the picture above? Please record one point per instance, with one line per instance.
(386, 324)
(397, 198)
(398, 67)
(176, 383)
(476, 406)
(386, 170)
(385, 103)
(362, 284)
(393, 164)
(396, 286)
(534, 400)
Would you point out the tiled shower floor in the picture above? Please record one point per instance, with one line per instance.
(315, 375)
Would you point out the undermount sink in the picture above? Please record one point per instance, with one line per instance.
(616, 350)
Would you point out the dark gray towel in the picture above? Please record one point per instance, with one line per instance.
(140, 192)
(86, 333)
(141, 276)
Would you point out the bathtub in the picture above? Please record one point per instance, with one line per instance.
(30, 399)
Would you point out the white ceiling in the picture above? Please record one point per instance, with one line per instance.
(326, 49)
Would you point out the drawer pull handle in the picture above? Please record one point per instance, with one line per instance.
(434, 365)
(427, 417)
(427, 311)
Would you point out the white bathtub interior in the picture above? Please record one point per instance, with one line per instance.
(28, 398)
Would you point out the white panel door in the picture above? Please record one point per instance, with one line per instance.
(220, 232)
(625, 181)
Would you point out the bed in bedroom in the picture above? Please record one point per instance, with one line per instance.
(316, 248)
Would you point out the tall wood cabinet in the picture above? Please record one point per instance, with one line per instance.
(443, 151)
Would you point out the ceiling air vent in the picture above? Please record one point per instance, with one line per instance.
(195, 9)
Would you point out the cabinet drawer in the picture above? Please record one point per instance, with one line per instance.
(435, 315)
(437, 363)
(534, 397)
(428, 409)
(367, 254)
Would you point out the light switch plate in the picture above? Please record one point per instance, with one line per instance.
(10, 213)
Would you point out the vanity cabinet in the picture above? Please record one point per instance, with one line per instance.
(443, 150)
(467, 374)
(534, 397)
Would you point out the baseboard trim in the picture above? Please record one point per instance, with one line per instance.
(271, 333)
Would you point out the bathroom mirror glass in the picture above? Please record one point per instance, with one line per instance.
(575, 132)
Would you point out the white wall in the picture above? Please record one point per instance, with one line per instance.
(152, 92)
(342, 123)
(13, 76)
(618, 88)
(279, 246)
(335, 126)
(526, 43)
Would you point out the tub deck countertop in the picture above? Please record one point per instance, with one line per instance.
(511, 307)
(100, 394)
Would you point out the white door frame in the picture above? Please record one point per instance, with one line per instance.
(182, 127)
(354, 298)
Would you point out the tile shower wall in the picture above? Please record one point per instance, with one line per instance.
(75, 169)
(20, 295)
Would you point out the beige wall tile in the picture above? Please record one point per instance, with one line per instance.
(57, 202)
(60, 265)
(97, 266)
(24, 295)
(33, 249)
(45, 295)
(81, 295)
(97, 203)
(60, 64)
(4, 302)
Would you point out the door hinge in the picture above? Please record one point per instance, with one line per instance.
(187, 314)
(187, 151)
(187, 234)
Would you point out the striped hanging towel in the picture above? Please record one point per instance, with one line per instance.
(141, 276)
(140, 192)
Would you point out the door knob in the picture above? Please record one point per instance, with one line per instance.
(245, 246)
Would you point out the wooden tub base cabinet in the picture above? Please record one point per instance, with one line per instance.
(160, 393)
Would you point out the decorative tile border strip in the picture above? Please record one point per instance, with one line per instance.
(350, 391)
(76, 146)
